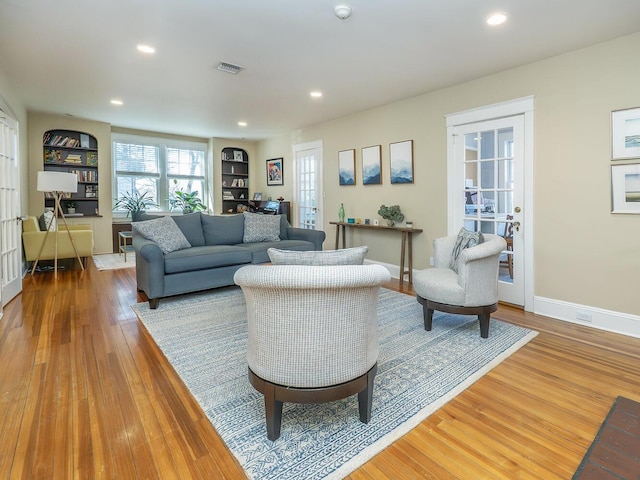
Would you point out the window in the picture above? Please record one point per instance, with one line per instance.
(158, 166)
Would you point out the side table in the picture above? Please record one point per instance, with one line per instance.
(124, 243)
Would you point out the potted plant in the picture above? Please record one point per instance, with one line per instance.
(135, 203)
(71, 207)
(187, 201)
(391, 214)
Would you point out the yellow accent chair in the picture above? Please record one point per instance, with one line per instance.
(33, 237)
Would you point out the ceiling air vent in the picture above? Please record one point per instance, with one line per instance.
(229, 67)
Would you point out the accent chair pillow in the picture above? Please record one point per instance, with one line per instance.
(261, 228)
(346, 256)
(45, 219)
(466, 239)
(163, 231)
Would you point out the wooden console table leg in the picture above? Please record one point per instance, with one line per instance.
(402, 255)
(337, 236)
(344, 236)
(410, 240)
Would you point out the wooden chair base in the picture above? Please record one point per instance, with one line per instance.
(275, 395)
(483, 313)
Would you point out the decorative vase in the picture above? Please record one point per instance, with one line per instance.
(341, 213)
(390, 223)
(71, 210)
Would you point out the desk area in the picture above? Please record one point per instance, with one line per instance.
(406, 246)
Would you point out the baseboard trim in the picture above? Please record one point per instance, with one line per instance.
(394, 270)
(608, 320)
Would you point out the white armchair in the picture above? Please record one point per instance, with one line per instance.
(473, 290)
(312, 334)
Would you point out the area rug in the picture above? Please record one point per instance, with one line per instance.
(114, 261)
(204, 337)
(615, 451)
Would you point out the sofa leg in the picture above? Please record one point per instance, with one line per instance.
(153, 303)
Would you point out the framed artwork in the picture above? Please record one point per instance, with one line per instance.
(372, 165)
(401, 160)
(347, 166)
(625, 188)
(274, 172)
(257, 196)
(625, 134)
(237, 156)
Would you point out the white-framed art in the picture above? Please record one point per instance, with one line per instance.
(347, 166)
(372, 165)
(401, 161)
(625, 188)
(625, 134)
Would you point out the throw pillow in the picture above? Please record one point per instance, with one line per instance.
(164, 232)
(346, 256)
(466, 239)
(261, 228)
(45, 219)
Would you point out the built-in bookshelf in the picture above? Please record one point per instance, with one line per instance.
(235, 180)
(74, 152)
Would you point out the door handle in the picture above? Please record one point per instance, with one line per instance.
(516, 225)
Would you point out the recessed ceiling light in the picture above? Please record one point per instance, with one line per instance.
(496, 18)
(116, 102)
(242, 124)
(146, 49)
(316, 94)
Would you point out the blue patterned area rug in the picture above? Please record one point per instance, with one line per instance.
(204, 337)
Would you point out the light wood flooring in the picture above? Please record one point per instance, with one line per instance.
(85, 393)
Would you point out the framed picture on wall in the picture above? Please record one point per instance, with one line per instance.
(372, 165)
(274, 172)
(625, 188)
(401, 160)
(347, 166)
(625, 134)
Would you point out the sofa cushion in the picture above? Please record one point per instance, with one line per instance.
(164, 232)
(191, 227)
(260, 249)
(466, 239)
(284, 227)
(261, 228)
(222, 229)
(202, 258)
(347, 256)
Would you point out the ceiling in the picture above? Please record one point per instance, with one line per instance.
(73, 56)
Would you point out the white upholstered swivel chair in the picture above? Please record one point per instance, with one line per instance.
(472, 290)
(312, 334)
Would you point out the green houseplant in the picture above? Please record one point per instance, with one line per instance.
(187, 201)
(391, 214)
(134, 203)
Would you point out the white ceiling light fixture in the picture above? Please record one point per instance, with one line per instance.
(117, 102)
(146, 49)
(242, 124)
(229, 68)
(496, 19)
(342, 11)
(316, 94)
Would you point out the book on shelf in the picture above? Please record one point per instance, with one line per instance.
(84, 140)
(92, 159)
(74, 158)
(52, 155)
(74, 214)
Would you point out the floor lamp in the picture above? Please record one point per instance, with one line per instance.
(57, 183)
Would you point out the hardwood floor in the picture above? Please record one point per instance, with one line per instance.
(84, 393)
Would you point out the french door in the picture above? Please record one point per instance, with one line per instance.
(10, 227)
(308, 194)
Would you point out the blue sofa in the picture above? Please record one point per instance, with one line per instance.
(217, 251)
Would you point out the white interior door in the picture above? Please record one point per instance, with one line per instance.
(490, 192)
(308, 192)
(10, 226)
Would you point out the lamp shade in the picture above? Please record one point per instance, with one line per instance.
(57, 182)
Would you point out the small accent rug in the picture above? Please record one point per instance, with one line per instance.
(114, 261)
(204, 337)
(615, 451)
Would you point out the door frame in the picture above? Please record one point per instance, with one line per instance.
(521, 106)
(301, 147)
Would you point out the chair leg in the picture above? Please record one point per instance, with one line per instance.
(427, 313)
(273, 412)
(365, 398)
(484, 318)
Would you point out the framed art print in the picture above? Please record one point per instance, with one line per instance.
(274, 172)
(625, 134)
(401, 158)
(371, 165)
(625, 188)
(347, 167)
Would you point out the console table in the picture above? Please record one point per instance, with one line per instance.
(406, 247)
